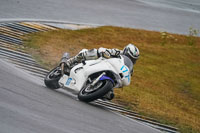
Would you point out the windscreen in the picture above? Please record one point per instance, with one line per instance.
(128, 63)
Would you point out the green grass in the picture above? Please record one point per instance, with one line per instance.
(166, 81)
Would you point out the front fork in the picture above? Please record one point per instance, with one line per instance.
(97, 79)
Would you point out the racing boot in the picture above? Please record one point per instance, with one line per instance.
(67, 65)
(74, 60)
(71, 62)
(64, 63)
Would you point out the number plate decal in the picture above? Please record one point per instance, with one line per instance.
(68, 81)
(124, 69)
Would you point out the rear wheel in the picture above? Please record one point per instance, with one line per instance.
(52, 78)
(90, 93)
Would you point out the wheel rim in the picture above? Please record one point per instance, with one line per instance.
(90, 89)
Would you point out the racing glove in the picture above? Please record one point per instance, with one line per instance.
(108, 53)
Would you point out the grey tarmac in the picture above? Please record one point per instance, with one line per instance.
(27, 106)
(175, 16)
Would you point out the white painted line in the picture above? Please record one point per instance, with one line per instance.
(17, 59)
(30, 70)
(17, 55)
(47, 21)
(14, 51)
(31, 67)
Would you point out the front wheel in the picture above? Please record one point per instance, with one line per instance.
(52, 78)
(90, 93)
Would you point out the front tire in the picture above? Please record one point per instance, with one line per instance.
(52, 78)
(104, 88)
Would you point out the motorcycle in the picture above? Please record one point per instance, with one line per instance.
(93, 79)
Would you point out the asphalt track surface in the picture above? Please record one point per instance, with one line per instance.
(26, 106)
(175, 16)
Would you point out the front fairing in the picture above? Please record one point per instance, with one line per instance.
(121, 69)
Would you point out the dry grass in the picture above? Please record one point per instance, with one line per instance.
(166, 82)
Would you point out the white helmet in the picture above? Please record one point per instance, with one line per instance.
(132, 52)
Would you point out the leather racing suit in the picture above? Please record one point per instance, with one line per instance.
(92, 54)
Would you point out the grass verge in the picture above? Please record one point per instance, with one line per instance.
(166, 81)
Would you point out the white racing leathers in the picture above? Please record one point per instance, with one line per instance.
(92, 54)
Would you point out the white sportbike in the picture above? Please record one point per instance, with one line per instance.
(93, 79)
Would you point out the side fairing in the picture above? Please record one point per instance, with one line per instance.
(79, 74)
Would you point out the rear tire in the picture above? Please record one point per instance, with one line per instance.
(99, 93)
(51, 79)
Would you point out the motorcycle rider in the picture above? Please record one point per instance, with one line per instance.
(131, 51)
